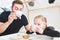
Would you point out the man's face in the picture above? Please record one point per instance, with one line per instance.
(40, 23)
(17, 7)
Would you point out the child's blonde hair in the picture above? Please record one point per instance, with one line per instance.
(42, 17)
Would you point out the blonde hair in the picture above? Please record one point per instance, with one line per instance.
(41, 17)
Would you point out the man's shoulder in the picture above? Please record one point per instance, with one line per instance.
(4, 16)
(5, 13)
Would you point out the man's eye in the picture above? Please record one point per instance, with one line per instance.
(16, 8)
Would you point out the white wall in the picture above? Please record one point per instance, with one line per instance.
(42, 4)
(6, 3)
(52, 13)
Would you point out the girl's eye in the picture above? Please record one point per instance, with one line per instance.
(35, 23)
(38, 24)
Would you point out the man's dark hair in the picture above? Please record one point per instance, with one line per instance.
(17, 2)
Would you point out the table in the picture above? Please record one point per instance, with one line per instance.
(19, 36)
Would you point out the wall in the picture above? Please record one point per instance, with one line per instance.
(51, 11)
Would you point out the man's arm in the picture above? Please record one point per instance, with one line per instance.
(26, 24)
(4, 26)
(28, 29)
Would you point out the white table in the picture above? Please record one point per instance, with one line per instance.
(19, 36)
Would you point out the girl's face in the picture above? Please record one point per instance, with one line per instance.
(39, 22)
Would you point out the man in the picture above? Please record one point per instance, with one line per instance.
(11, 22)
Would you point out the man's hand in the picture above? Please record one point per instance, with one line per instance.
(28, 29)
(11, 17)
